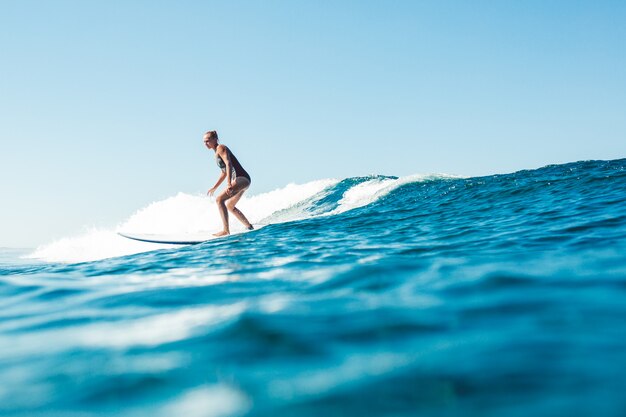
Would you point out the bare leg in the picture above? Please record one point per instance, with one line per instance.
(241, 184)
(221, 207)
(231, 207)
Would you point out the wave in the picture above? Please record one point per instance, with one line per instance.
(182, 213)
(366, 295)
(189, 214)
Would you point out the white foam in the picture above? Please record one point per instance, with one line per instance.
(363, 194)
(91, 245)
(180, 214)
(367, 192)
(189, 214)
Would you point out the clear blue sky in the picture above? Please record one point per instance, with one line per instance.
(103, 104)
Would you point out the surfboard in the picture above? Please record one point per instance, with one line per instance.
(170, 239)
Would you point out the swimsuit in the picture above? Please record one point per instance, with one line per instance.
(236, 168)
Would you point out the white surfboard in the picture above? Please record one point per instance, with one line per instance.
(170, 239)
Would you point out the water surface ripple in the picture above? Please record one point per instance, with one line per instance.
(494, 296)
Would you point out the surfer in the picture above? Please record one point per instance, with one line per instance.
(237, 180)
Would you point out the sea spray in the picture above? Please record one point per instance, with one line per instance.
(182, 213)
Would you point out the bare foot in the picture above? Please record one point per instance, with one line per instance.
(250, 227)
(222, 233)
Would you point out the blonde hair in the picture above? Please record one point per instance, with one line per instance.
(212, 134)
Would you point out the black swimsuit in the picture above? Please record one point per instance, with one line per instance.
(236, 168)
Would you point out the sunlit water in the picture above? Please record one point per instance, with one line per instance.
(428, 295)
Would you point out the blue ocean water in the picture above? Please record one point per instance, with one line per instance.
(499, 296)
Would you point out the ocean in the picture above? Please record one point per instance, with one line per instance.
(429, 295)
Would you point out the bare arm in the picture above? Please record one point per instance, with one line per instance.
(217, 184)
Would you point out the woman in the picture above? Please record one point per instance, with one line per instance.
(237, 180)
